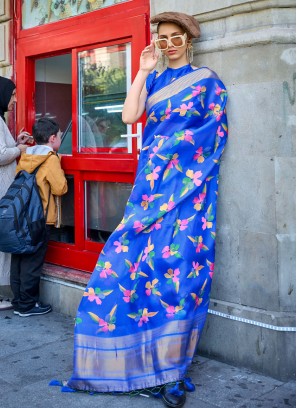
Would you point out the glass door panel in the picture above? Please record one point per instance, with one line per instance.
(53, 89)
(53, 99)
(104, 75)
(105, 204)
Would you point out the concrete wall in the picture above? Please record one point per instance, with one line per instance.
(251, 45)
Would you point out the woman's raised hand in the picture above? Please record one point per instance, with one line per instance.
(148, 58)
(24, 137)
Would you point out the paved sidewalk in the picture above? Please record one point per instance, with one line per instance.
(35, 350)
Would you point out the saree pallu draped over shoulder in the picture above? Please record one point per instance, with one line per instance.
(144, 308)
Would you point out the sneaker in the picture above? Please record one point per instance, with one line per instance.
(5, 304)
(38, 309)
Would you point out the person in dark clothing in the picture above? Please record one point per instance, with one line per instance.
(10, 150)
(26, 268)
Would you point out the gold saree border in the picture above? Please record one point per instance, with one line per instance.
(136, 361)
(178, 85)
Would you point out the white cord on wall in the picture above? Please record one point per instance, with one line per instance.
(210, 311)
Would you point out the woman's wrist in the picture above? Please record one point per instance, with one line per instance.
(144, 72)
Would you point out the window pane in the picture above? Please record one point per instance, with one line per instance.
(105, 205)
(103, 77)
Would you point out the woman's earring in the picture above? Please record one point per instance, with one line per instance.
(164, 61)
(190, 53)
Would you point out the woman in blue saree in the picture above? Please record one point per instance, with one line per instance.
(145, 306)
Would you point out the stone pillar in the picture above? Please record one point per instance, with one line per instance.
(251, 45)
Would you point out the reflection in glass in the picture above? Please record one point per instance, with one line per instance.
(53, 89)
(103, 77)
(66, 141)
(66, 231)
(105, 205)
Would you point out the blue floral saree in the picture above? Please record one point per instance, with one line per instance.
(144, 308)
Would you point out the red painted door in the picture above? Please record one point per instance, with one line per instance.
(78, 72)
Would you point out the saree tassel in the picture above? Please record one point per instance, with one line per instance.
(55, 383)
(188, 385)
(67, 389)
(176, 390)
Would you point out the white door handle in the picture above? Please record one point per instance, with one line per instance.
(129, 136)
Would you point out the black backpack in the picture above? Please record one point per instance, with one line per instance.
(22, 218)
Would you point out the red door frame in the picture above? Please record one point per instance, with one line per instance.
(116, 24)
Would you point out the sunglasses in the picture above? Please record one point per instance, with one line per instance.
(177, 41)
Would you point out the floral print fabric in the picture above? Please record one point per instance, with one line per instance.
(149, 292)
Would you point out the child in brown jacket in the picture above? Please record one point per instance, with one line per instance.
(26, 269)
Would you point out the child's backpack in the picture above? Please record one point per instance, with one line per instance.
(22, 219)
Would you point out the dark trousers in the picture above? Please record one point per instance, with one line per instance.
(25, 272)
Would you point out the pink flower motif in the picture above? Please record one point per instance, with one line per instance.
(175, 275)
(119, 246)
(199, 153)
(199, 199)
(166, 252)
(186, 107)
(167, 113)
(170, 312)
(211, 106)
(155, 150)
(143, 319)
(211, 268)
(173, 162)
(219, 116)
(171, 205)
(105, 272)
(134, 267)
(153, 175)
(148, 198)
(199, 246)
(138, 226)
(157, 225)
(203, 219)
(146, 252)
(167, 206)
(196, 180)
(183, 224)
(103, 325)
(188, 135)
(127, 295)
(148, 292)
(219, 132)
(218, 90)
(197, 90)
(155, 172)
(93, 297)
